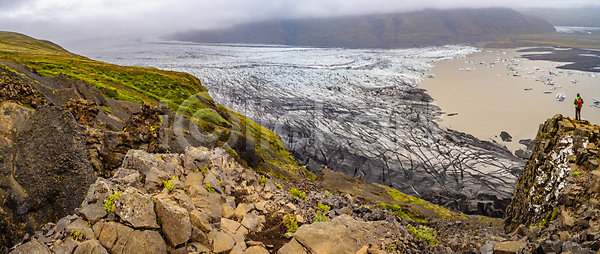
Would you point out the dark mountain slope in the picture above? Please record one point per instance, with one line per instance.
(567, 17)
(429, 27)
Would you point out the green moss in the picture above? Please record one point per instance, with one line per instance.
(263, 180)
(543, 223)
(211, 116)
(323, 208)
(76, 235)
(290, 223)
(106, 109)
(399, 212)
(399, 196)
(297, 193)
(576, 173)
(424, 233)
(554, 214)
(168, 185)
(209, 188)
(109, 204)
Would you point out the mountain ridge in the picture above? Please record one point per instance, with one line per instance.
(587, 17)
(423, 28)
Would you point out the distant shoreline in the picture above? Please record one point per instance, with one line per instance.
(587, 60)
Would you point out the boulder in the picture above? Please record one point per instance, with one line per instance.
(92, 207)
(237, 249)
(198, 248)
(199, 236)
(241, 210)
(66, 246)
(196, 190)
(176, 223)
(200, 220)
(251, 221)
(147, 241)
(212, 180)
(227, 211)
(510, 247)
(198, 153)
(194, 178)
(575, 248)
(183, 200)
(566, 220)
(92, 212)
(548, 246)
(230, 226)
(141, 161)
(342, 234)
(292, 247)
(32, 247)
(256, 250)
(487, 248)
(113, 236)
(80, 228)
(223, 242)
(136, 208)
(128, 178)
(90, 247)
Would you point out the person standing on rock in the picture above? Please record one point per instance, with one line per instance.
(578, 104)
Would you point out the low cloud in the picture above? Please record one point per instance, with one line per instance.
(75, 23)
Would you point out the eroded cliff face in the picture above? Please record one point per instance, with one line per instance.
(558, 190)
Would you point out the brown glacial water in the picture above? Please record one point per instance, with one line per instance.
(508, 95)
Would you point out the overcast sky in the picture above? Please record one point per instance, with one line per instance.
(77, 23)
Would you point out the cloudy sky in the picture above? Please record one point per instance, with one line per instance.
(77, 23)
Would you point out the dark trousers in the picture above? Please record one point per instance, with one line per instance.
(577, 113)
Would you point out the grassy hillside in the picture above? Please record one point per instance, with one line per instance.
(429, 27)
(134, 84)
(183, 92)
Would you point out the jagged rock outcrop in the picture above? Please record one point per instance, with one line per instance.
(43, 165)
(13, 88)
(555, 203)
(84, 111)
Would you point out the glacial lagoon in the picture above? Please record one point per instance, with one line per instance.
(498, 90)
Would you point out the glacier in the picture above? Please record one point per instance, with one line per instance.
(356, 111)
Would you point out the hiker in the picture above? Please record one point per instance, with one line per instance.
(578, 104)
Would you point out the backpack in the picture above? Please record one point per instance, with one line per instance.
(579, 102)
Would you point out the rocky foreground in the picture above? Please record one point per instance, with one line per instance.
(202, 201)
(205, 202)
